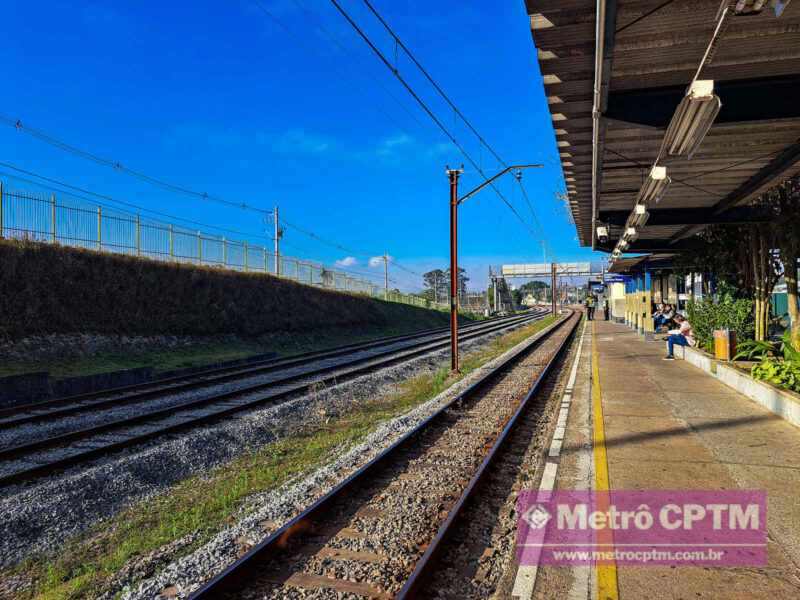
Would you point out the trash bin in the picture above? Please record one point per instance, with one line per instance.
(724, 344)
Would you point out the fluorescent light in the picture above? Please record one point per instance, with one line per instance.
(692, 119)
(639, 216)
(631, 234)
(623, 244)
(654, 186)
(602, 231)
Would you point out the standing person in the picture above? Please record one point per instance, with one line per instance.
(590, 306)
(605, 307)
(683, 336)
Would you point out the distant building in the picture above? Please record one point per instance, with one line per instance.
(529, 300)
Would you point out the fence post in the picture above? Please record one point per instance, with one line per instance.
(199, 249)
(99, 228)
(224, 252)
(245, 257)
(138, 235)
(53, 217)
(1, 210)
(171, 242)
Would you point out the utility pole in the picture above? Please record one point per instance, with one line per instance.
(453, 174)
(277, 233)
(386, 276)
(553, 288)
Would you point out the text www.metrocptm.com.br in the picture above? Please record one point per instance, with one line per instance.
(620, 555)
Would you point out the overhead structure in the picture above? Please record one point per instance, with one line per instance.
(534, 270)
(669, 116)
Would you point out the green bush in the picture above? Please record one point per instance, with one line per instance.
(728, 313)
(783, 373)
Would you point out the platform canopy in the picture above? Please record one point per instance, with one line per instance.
(651, 50)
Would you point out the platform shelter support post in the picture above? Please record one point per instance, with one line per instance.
(647, 307)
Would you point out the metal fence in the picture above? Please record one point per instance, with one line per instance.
(43, 218)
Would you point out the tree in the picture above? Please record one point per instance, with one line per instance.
(437, 285)
(462, 281)
(785, 201)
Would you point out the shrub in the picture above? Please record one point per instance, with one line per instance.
(728, 313)
(783, 373)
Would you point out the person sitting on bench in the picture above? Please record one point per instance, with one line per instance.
(683, 336)
(663, 317)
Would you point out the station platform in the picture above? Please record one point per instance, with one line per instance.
(637, 422)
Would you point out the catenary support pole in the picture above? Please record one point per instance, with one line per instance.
(53, 217)
(276, 234)
(453, 174)
(99, 228)
(2, 226)
(385, 275)
(553, 288)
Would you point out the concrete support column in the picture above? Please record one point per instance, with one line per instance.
(647, 299)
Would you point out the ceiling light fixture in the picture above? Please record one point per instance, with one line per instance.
(654, 186)
(692, 119)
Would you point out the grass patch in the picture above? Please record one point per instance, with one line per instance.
(283, 344)
(85, 566)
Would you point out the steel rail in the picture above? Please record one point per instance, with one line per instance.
(238, 573)
(81, 404)
(287, 390)
(235, 371)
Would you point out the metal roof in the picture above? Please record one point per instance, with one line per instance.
(652, 49)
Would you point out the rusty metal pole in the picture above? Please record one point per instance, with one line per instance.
(453, 174)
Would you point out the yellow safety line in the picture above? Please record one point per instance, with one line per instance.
(607, 588)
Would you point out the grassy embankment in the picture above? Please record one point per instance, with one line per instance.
(85, 567)
(51, 289)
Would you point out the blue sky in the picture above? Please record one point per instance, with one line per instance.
(295, 110)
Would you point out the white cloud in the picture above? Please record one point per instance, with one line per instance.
(389, 145)
(377, 261)
(347, 261)
(439, 149)
(302, 141)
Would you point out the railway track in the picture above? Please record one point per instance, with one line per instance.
(290, 377)
(378, 533)
(42, 411)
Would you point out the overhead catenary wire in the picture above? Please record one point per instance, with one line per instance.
(118, 166)
(427, 109)
(95, 195)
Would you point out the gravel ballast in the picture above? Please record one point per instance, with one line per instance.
(40, 516)
(268, 511)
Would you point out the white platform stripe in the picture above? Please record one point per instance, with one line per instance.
(525, 580)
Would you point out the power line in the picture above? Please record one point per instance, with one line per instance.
(336, 41)
(425, 107)
(109, 199)
(455, 108)
(323, 240)
(118, 166)
(301, 42)
(433, 82)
